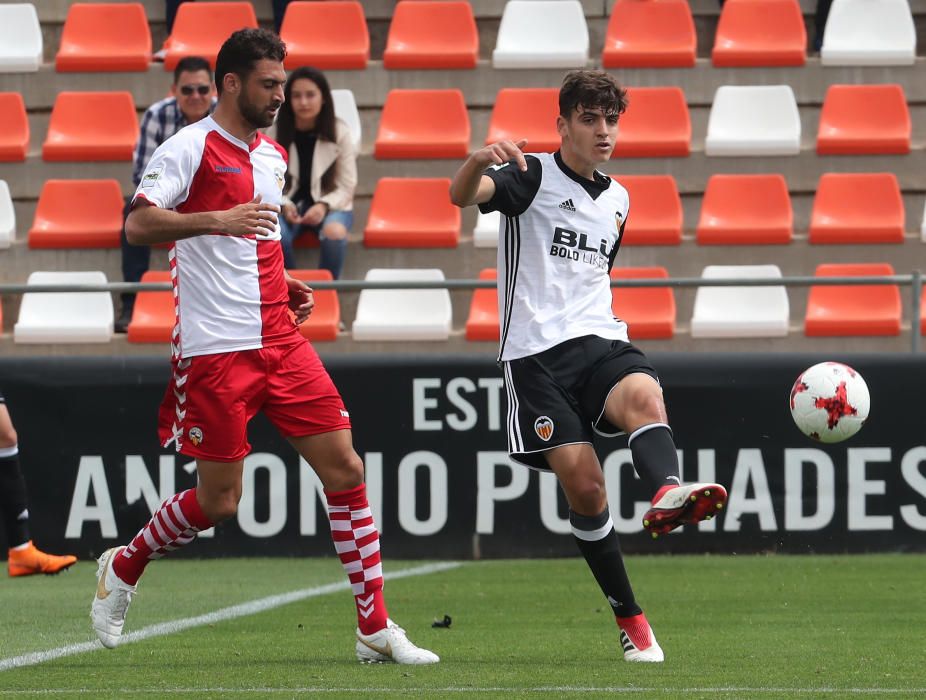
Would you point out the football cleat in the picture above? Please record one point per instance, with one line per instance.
(684, 505)
(111, 601)
(391, 645)
(31, 560)
(638, 641)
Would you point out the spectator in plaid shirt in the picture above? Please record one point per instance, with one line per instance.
(192, 98)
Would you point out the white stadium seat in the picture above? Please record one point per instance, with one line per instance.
(20, 39)
(7, 216)
(740, 312)
(403, 314)
(345, 107)
(542, 34)
(65, 317)
(753, 120)
(869, 33)
(485, 235)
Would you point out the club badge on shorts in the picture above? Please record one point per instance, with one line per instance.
(196, 436)
(543, 426)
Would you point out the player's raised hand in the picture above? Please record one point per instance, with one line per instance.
(254, 218)
(501, 152)
(301, 299)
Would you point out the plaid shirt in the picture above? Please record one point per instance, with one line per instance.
(161, 121)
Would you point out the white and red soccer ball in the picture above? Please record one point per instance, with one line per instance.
(830, 402)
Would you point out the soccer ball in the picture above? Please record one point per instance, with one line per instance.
(830, 402)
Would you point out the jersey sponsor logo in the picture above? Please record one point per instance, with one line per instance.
(567, 205)
(543, 426)
(574, 245)
(196, 435)
(151, 177)
(230, 169)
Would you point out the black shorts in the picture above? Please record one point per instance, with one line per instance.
(557, 397)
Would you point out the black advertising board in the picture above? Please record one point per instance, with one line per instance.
(431, 432)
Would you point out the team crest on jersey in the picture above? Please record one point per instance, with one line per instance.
(196, 436)
(543, 426)
(619, 220)
(280, 177)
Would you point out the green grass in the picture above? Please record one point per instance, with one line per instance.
(731, 627)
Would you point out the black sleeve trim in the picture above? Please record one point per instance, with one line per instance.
(515, 189)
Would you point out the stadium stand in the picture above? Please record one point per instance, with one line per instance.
(412, 213)
(923, 225)
(655, 125)
(78, 214)
(104, 37)
(528, 113)
(403, 314)
(485, 233)
(345, 108)
(14, 136)
(760, 33)
(327, 35)
(864, 119)
(745, 209)
(482, 323)
(7, 217)
(542, 34)
(325, 319)
(848, 39)
(753, 120)
(21, 44)
(740, 312)
(153, 315)
(648, 311)
(841, 310)
(423, 124)
(201, 27)
(650, 35)
(91, 126)
(65, 317)
(432, 35)
(655, 216)
(857, 208)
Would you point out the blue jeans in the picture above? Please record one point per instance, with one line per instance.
(332, 250)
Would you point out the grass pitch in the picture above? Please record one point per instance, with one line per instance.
(731, 627)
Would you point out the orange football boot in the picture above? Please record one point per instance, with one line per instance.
(31, 560)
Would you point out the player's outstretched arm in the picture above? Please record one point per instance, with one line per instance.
(470, 186)
(149, 225)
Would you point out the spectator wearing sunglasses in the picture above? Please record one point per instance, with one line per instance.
(192, 97)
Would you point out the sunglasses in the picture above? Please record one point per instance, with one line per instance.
(188, 90)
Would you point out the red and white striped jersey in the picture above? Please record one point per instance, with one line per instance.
(230, 292)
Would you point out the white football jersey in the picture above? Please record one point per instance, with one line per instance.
(558, 237)
(230, 292)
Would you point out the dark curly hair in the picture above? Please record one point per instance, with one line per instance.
(243, 49)
(593, 89)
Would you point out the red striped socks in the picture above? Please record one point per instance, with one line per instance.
(356, 541)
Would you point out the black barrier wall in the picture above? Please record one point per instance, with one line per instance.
(431, 432)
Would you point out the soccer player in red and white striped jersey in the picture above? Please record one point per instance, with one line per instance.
(213, 191)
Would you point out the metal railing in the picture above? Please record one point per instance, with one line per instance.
(913, 279)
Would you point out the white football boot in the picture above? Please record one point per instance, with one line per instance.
(111, 601)
(646, 648)
(391, 645)
(686, 504)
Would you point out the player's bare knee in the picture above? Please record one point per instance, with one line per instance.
(8, 436)
(334, 231)
(586, 496)
(221, 506)
(644, 405)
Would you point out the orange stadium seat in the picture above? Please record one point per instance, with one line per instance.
(760, 33)
(323, 323)
(656, 124)
(526, 113)
(201, 28)
(91, 126)
(865, 310)
(105, 37)
(857, 208)
(864, 119)
(78, 214)
(328, 35)
(14, 136)
(655, 216)
(432, 35)
(482, 323)
(648, 311)
(412, 213)
(423, 124)
(650, 35)
(745, 209)
(154, 316)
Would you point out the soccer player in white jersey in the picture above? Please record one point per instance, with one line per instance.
(568, 364)
(213, 191)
